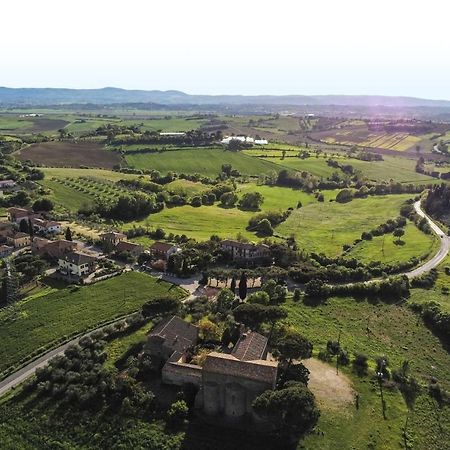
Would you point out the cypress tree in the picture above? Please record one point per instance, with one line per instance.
(243, 286)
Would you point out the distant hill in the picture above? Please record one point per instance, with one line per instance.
(110, 95)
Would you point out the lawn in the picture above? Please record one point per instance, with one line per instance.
(383, 248)
(204, 161)
(326, 227)
(52, 316)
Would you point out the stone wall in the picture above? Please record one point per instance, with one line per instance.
(181, 373)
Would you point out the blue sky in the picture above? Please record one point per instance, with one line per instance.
(234, 47)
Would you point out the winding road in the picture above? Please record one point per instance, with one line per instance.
(192, 284)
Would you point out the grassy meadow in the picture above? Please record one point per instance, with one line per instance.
(326, 227)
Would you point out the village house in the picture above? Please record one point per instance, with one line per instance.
(17, 239)
(77, 264)
(52, 249)
(5, 250)
(163, 250)
(129, 247)
(112, 238)
(46, 226)
(16, 215)
(245, 251)
(227, 383)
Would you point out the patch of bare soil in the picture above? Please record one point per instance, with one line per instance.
(70, 154)
(331, 391)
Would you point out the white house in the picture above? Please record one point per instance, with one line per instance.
(246, 139)
(77, 264)
(46, 226)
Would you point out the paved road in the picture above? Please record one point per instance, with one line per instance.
(443, 249)
(192, 286)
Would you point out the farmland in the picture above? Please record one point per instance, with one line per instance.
(204, 161)
(54, 314)
(65, 154)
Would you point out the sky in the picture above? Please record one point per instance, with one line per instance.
(386, 47)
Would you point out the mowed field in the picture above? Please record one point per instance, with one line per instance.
(50, 316)
(384, 248)
(204, 161)
(326, 227)
(67, 154)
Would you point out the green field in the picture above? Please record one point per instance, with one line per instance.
(326, 227)
(383, 248)
(316, 166)
(54, 314)
(62, 172)
(186, 187)
(204, 161)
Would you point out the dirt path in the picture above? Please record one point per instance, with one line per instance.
(332, 391)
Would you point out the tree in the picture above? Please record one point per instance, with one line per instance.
(30, 229)
(228, 199)
(293, 346)
(344, 196)
(264, 228)
(398, 232)
(260, 297)
(23, 226)
(208, 330)
(251, 200)
(160, 306)
(196, 201)
(177, 413)
(243, 286)
(292, 410)
(360, 364)
(68, 235)
(43, 204)
(233, 285)
(251, 315)
(224, 300)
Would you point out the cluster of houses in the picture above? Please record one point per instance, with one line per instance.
(227, 381)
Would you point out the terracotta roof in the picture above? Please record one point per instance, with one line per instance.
(78, 258)
(161, 246)
(44, 223)
(250, 346)
(259, 370)
(19, 211)
(177, 333)
(112, 234)
(125, 246)
(56, 249)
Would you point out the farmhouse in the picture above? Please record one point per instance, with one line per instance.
(246, 139)
(163, 250)
(245, 251)
(129, 247)
(227, 383)
(46, 226)
(112, 238)
(16, 215)
(52, 249)
(77, 264)
(17, 239)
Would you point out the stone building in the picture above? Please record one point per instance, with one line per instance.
(243, 251)
(227, 383)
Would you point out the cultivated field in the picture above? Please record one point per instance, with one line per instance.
(55, 314)
(66, 154)
(204, 161)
